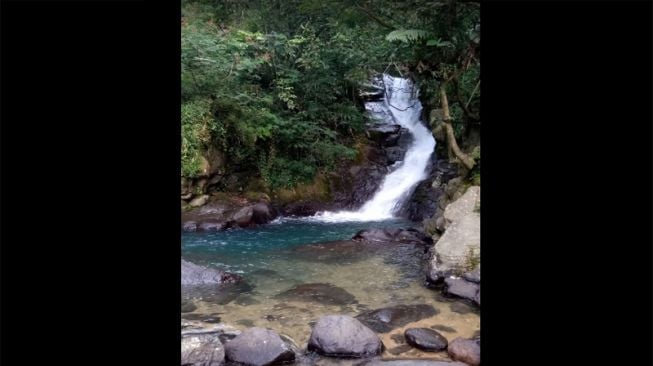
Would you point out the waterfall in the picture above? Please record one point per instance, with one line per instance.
(401, 106)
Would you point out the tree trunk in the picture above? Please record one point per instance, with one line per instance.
(466, 160)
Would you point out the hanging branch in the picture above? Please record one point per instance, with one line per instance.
(374, 17)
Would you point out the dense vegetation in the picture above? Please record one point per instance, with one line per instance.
(273, 85)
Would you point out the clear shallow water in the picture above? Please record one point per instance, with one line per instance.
(353, 277)
(243, 251)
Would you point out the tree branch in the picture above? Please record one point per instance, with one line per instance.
(466, 160)
(374, 17)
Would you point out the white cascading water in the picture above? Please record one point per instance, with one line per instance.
(403, 105)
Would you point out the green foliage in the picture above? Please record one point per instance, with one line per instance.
(407, 35)
(274, 84)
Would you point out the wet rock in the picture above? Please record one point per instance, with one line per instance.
(262, 213)
(192, 274)
(211, 225)
(473, 276)
(465, 350)
(386, 319)
(199, 201)
(188, 307)
(455, 286)
(381, 132)
(245, 322)
(461, 308)
(302, 208)
(411, 363)
(398, 338)
(258, 347)
(189, 226)
(394, 154)
(425, 339)
(202, 350)
(444, 328)
(343, 336)
(399, 349)
(322, 293)
(244, 216)
(202, 317)
(390, 235)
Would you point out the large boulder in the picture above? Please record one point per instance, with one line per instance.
(465, 350)
(459, 248)
(262, 213)
(258, 347)
(425, 339)
(193, 275)
(386, 319)
(199, 201)
(201, 350)
(244, 217)
(343, 336)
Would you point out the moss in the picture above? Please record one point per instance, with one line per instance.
(473, 259)
(318, 190)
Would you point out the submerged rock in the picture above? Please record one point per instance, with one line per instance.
(343, 336)
(202, 350)
(465, 350)
(193, 274)
(211, 225)
(411, 363)
(259, 347)
(386, 319)
(393, 235)
(426, 339)
(322, 293)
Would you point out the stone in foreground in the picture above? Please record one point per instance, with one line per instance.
(259, 347)
(426, 339)
(465, 350)
(343, 336)
(201, 350)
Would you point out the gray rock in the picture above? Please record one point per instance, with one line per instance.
(463, 206)
(343, 336)
(199, 201)
(386, 319)
(425, 339)
(461, 288)
(211, 225)
(243, 217)
(473, 276)
(189, 226)
(192, 275)
(459, 248)
(465, 350)
(258, 347)
(262, 213)
(202, 350)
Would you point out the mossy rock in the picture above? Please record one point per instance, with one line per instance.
(317, 191)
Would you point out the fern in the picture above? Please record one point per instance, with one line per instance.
(406, 35)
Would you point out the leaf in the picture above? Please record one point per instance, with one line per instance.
(406, 35)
